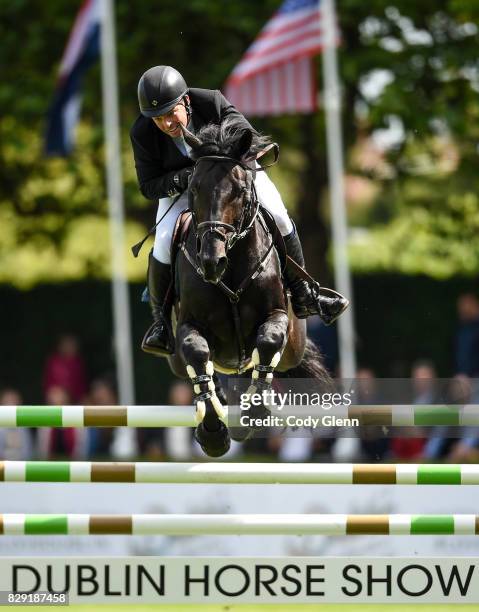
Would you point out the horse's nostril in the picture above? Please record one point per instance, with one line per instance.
(209, 265)
(222, 262)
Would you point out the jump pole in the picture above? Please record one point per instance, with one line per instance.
(238, 524)
(239, 473)
(184, 416)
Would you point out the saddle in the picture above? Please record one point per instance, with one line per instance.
(180, 233)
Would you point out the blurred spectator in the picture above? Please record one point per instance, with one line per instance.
(10, 397)
(366, 388)
(374, 442)
(466, 341)
(407, 448)
(440, 445)
(65, 368)
(66, 442)
(424, 381)
(151, 442)
(460, 390)
(424, 389)
(288, 444)
(466, 449)
(297, 446)
(100, 439)
(15, 444)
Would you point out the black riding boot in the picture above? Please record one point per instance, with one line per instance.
(159, 338)
(305, 297)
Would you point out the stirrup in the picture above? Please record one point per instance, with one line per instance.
(317, 288)
(327, 318)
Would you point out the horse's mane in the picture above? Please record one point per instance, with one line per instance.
(223, 139)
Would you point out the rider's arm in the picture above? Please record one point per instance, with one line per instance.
(154, 183)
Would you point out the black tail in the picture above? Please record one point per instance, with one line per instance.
(311, 366)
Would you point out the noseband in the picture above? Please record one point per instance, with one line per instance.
(250, 207)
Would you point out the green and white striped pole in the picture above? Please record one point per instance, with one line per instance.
(239, 473)
(184, 416)
(239, 524)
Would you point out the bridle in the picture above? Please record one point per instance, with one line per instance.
(249, 210)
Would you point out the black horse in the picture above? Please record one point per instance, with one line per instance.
(232, 309)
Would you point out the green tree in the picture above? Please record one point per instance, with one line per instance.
(53, 211)
(425, 216)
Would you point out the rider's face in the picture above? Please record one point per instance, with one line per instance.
(169, 123)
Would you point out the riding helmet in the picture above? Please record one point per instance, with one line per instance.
(159, 90)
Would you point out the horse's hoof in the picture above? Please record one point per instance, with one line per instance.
(260, 412)
(241, 434)
(214, 443)
(257, 414)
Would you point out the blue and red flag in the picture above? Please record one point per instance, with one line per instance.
(82, 50)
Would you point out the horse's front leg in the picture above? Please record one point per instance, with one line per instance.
(270, 343)
(211, 433)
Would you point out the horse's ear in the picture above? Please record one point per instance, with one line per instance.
(244, 144)
(274, 146)
(190, 138)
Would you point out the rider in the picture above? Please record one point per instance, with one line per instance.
(163, 166)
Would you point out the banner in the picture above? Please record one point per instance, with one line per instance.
(239, 580)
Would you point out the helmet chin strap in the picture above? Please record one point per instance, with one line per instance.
(187, 107)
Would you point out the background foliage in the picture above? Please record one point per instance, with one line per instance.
(410, 65)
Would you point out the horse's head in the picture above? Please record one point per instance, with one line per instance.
(221, 192)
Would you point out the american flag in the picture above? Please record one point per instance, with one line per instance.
(276, 74)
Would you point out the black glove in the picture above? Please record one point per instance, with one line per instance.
(181, 179)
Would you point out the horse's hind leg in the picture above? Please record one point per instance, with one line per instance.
(270, 342)
(211, 432)
(220, 392)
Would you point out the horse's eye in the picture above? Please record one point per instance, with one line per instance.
(194, 191)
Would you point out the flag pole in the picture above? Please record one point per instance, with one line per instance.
(120, 298)
(332, 104)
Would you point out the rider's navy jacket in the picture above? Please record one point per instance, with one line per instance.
(157, 158)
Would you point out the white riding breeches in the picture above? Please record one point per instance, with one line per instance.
(268, 196)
